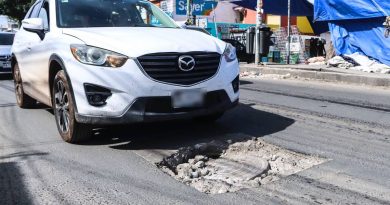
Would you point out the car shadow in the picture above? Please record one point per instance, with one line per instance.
(240, 123)
(245, 82)
(13, 189)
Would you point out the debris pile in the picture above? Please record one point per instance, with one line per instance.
(316, 61)
(250, 74)
(227, 166)
(358, 62)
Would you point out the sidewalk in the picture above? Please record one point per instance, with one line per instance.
(321, 73)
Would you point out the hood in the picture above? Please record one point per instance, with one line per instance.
(5, 50)
(138, 41)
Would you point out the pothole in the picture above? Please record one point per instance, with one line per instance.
(228, 166)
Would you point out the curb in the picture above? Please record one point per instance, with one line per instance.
(322, 75)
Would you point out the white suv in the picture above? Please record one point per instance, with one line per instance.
(102, 62)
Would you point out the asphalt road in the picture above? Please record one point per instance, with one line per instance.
(347, 125)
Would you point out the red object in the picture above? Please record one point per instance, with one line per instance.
(284, 20)
(250, 17)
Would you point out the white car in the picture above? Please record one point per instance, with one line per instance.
(103, 62)
(6, 40)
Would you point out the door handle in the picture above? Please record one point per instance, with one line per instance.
(28, 48)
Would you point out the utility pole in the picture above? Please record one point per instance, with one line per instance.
(215, 20)
(259, 21)
(189, 13)
(288, 31)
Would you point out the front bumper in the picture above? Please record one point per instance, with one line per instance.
(152, 109)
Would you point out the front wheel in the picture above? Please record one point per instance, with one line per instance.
(64, 111)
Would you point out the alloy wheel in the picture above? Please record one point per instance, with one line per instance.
(61, 106)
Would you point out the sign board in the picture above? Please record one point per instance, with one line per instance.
(164, 6)
(167, 8)
(198, 8)
(201, 22)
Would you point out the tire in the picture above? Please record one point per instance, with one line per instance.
(209, 119)
(22, 99)
(64, 111)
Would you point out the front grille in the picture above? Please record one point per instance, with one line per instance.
(4, 58)
(164, 67)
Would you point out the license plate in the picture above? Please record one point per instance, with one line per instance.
(188, 98)
(6, 65)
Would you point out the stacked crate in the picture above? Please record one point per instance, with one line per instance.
(295, 32)
(280, 42)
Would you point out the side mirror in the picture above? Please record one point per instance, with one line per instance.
(34, 25)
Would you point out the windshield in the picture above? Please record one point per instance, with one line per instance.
(110, 13)
(6, 39)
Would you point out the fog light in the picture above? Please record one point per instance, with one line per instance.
(236, 84)
(96, 98)
(96, 95)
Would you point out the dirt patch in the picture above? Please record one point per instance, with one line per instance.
(227, 166)
(258, 75)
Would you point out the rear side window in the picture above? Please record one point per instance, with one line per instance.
(44, 15)
(35, 10)
(6, 39)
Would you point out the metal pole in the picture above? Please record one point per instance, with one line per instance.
(258, 22)
(189, 16)
(288, 30)
(214, 19)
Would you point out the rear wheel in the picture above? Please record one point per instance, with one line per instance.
(64, 111)
(22, 99)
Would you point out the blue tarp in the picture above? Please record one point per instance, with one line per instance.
(329, 10)
(365, 36)
(357, 26)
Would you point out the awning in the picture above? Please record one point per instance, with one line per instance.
(279, 7)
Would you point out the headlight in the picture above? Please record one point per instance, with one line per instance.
(230, 53)
(97, 56)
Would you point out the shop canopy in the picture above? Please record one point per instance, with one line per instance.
(279, 7)
(357, 26)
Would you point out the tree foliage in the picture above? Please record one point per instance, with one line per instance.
(15, 9)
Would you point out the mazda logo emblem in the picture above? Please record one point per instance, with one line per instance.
(186, 63)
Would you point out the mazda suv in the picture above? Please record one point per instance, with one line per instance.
(110, 62)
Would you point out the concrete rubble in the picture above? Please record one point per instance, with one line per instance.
(227, 166)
